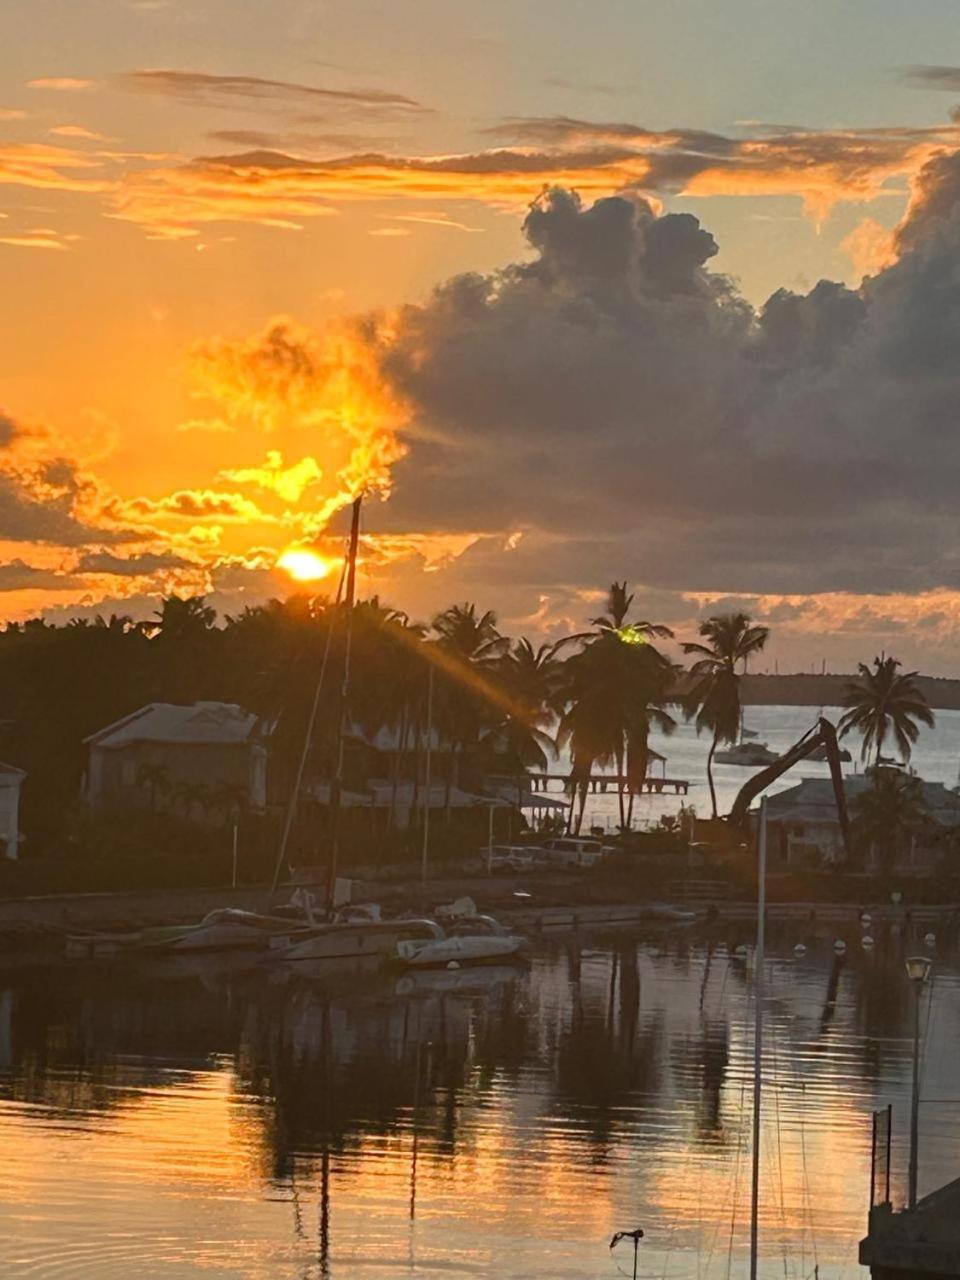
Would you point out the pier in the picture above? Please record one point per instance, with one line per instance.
(601, 783)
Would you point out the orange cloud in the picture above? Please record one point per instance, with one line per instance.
(328, 384)
(288, 483)
(61, 84)
(33, 164)
(200, 504)
(870, 247)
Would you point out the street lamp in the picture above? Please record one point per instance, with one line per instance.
(918, 971)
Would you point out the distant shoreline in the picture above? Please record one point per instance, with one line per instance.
(807, 690)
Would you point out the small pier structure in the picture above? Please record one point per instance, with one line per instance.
(655, 783)
(922, 1243)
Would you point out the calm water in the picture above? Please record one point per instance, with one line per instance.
(215, 1123)
(936, 758)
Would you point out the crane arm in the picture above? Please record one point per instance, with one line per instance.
(823, 734)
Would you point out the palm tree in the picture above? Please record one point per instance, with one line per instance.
(612, 691)
(885, 703)
(889, 813)
(469, 650)
(615, 619)
(520, 741)
(714, 696)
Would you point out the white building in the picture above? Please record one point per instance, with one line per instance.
(139, 762)
(805, 830)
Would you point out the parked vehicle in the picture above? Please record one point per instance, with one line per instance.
(571, 851)
(511, 857)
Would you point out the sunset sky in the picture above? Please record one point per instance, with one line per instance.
(541, 275)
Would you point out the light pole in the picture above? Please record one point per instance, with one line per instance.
(918, 971)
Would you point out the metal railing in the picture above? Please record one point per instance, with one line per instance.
(880, 1157)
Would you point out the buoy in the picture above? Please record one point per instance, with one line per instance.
(839, 946)
(867, 942)
(799, 949)
(866, 919)
(930, 940)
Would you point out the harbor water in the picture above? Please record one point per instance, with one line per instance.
(199, 1120)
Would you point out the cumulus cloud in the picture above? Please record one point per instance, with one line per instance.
(48, 498)
(621, 403)
(331, 387)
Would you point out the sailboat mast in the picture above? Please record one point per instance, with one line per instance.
(336, 789)
(758, 968)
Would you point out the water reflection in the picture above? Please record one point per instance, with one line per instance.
(215, 1118)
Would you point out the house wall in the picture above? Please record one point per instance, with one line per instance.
(9, 814)
(112, 772)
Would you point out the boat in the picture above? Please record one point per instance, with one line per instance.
(230, 929)
(471, 940)
(751, 754)
(355, 931)
(820, 756)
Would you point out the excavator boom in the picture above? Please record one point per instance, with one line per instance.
(824, 735)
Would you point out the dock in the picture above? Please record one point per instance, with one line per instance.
(915, 1244)
(601, 783)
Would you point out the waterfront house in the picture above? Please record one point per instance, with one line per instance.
(10, 780)
(804, 830)
(192, 759)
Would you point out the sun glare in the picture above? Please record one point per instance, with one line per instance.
(304, 565)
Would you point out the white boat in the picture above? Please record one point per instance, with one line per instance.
(228, 929)
(345, 937)
(750, 754)
(472, 940)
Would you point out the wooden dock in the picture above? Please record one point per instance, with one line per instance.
(601, 783)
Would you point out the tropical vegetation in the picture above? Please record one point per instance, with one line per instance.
(885, 706)
(499, 706)
(714, 698)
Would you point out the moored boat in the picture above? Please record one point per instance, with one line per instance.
(472, 940)
(352, 937)
(749, 754)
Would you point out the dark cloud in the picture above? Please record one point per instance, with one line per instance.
(10, 430)
(131, 566)
(49, 504)
(264, 141)
(220, 90)
(198, 504)
(622, 404)
(927, 76)
(17, 575)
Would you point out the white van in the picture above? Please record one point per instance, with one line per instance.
(572, 851)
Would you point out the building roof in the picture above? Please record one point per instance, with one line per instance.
(220, 723)
(811, 800)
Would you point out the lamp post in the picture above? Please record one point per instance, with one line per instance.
(918, 971)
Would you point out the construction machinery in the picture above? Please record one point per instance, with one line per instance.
(727, 835)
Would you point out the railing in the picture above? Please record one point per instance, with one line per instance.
(880, 1157)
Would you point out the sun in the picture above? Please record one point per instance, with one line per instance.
(304, 565)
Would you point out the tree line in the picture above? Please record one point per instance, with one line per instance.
(500, 704)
